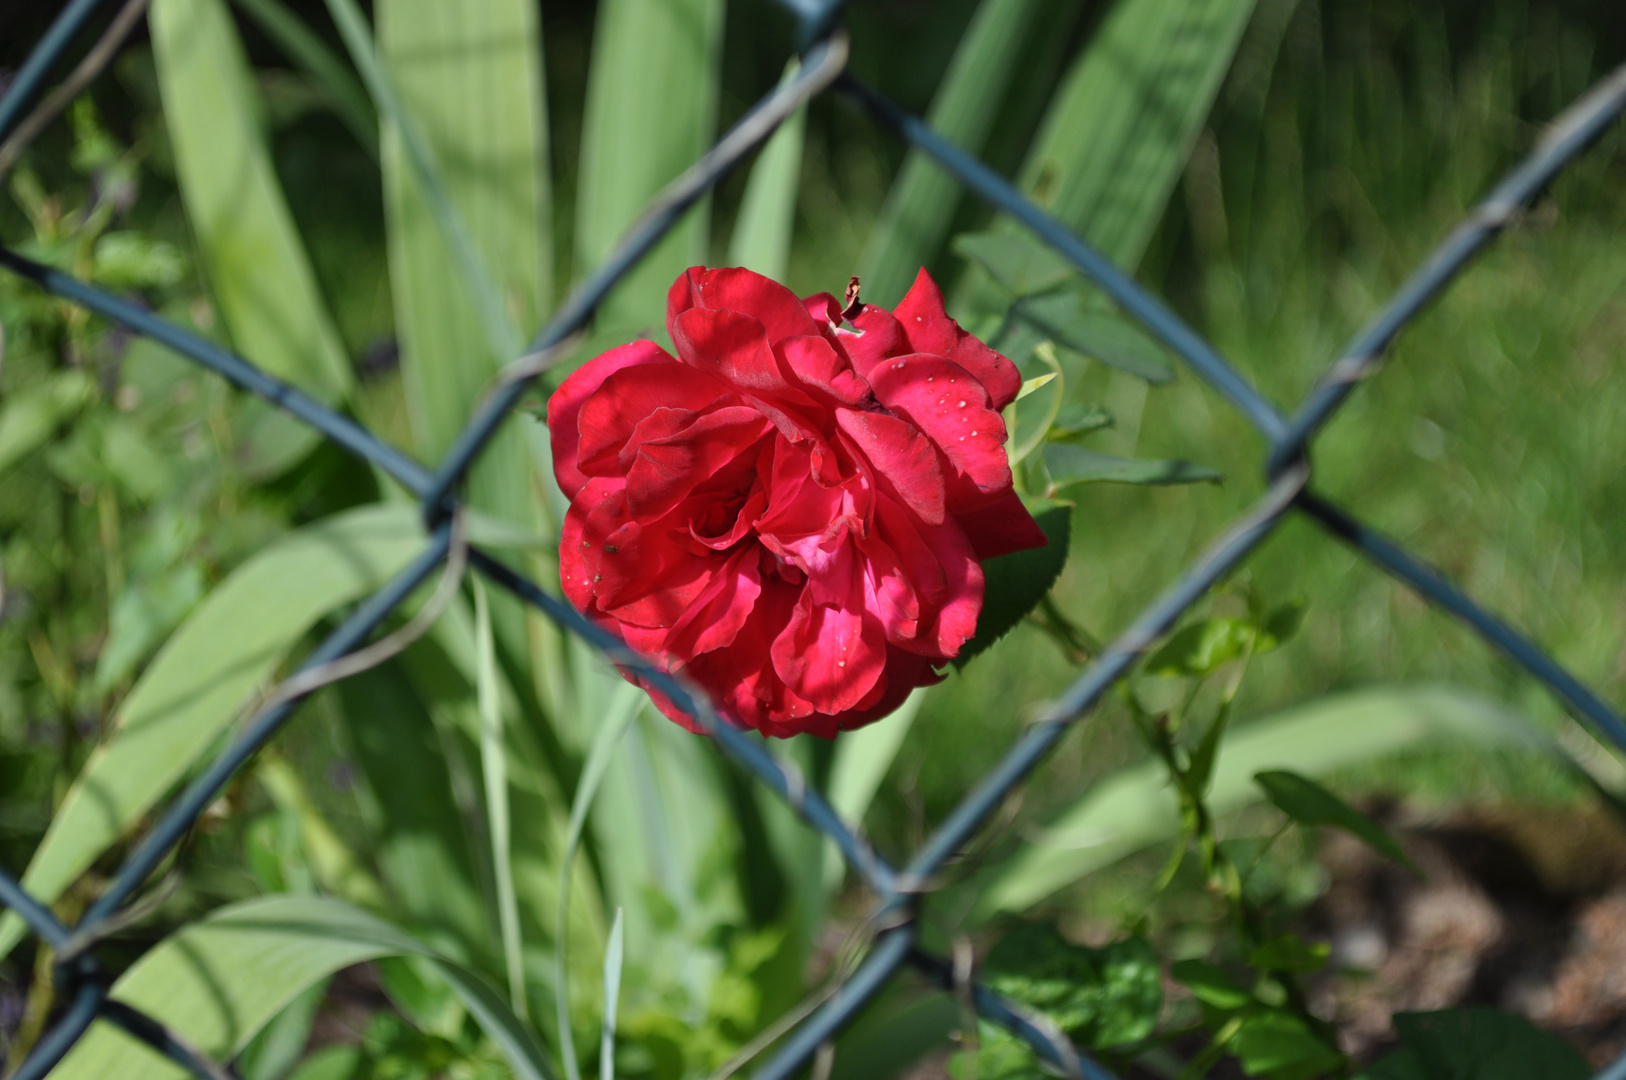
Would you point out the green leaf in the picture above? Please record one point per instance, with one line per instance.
(343, 91)
(1016, 583)
(1078, 419)
(31, 416)
(767, 216)
(1030, 385)
(1099, 997)
(1020, 264)
(1280, 626)
(920, 207)
(143, 616)
(1210, 984)
(1476, 1043)
(651, 111)
(258, 269)
(1135, 807)
(459, 86)
(1071, 466)
(1111, 339)
(1201, 648)
(1114, 142)
(1278, 1045)
(218, 981)
(127, 260)
(613, 956)
(204, 675)
(1289, 953)
(1308, 803)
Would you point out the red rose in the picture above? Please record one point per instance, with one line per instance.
(792, 512)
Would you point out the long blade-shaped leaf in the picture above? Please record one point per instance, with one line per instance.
(1135, 807)
(257, 265)
(494, 772)
(919, 208)
(1114, 142)
(651, 111)
(219, 981)
(302, 45)
(767, 217)
(465, 80)
(205, 673)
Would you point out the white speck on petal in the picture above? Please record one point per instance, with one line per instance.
(841, 663)
(973, 433)
(962, 405)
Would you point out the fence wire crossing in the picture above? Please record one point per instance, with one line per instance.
(83, 981)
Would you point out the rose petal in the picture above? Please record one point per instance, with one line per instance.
(878, 336)
(831, 655)
(1001, 527)
(734, 288)
(609, 416)
(903, 458)
(666, 467)
(716, 616)
(946, 403)
(930, 330)
(815, 364)
(565, 405)
(732, 346)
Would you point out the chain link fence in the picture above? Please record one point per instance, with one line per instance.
(893, 945)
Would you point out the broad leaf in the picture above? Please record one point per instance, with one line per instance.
(217, 982)
(1100, 335)
(1073, 466)
(1476, 1043)
(1277, 1045)
(205, 674)
(1135, 807)
(1016, 583)
(1308, 803)
(1201, 648)
(1020, 264)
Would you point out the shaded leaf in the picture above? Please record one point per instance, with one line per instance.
(1111, 339)
(1476, 1043)
(1018, 262)
(1210, 984)
(919, 208)
(1016, 583)
(1071, 466)
(1099, 997)
(1078, 419)
(1308, 803)
(1290, 953)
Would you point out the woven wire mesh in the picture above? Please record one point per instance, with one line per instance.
(894, 946)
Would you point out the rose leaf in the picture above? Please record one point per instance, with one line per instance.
(1016, 583)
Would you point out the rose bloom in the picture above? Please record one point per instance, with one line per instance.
(792, 512)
